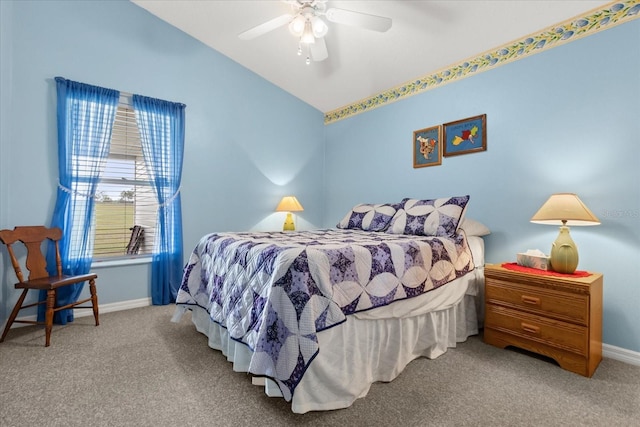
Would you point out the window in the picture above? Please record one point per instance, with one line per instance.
(86, 116)
(124, 197)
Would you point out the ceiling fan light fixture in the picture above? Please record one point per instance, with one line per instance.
(297, 25)
(307, 35)
(308, 23)
(319, 27)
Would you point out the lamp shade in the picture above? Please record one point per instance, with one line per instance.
(289, 204)
(320, 29)
(307, 35)
(564, 209)
(296, 26)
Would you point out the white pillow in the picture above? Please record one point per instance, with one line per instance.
(473, 227)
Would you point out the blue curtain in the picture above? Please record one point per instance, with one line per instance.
(85, 118)
(161, 125)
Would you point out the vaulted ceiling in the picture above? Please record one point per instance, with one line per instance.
(426, 36)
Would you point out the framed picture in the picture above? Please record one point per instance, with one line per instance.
(465, 136)
(427, 147)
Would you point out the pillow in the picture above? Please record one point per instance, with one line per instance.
(473, 228)
(434, 217)
(369, 217)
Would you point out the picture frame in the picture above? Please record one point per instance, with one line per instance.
(427, 147)
(465, 136)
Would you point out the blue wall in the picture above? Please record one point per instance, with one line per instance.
(564, 120)
(248, 143)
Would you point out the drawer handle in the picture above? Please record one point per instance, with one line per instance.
(530, 300)
(530, 328)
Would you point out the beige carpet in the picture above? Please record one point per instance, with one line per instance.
(139, 369)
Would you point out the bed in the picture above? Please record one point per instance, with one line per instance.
(318, 316)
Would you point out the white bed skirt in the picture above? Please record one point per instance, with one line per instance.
(365, 350)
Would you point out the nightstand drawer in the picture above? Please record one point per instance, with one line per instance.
(566, 336)
(546, 302)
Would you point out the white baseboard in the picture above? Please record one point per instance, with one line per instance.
(116, 306)
(621, 354)
(102, 308)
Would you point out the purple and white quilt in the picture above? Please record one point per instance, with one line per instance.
(275, 291)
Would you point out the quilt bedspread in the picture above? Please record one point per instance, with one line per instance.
(275, 291)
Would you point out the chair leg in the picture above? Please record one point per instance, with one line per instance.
(48, 316)
(94, 299)
(14, 314)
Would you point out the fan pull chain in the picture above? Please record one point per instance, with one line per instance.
(308, 59)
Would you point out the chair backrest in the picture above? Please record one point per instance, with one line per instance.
(136, 239)
(32, 237)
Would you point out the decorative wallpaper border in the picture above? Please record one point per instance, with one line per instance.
(615, 13)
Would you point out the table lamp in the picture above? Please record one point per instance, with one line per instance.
(564, 209)
(289, 204)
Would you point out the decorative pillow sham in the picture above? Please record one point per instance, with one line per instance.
(369, 217)
(473, 227)
(434, 217)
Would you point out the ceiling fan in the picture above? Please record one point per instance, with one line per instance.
(305, 22)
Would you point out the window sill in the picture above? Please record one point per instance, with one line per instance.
(117, 262)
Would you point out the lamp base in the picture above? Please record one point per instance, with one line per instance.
(288, 223)
(564, 253)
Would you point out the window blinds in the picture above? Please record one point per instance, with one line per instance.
(124, 197)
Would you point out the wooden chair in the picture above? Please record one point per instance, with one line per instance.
(136, 239)
(33, 237)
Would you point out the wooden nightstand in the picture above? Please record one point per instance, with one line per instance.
(559, 317)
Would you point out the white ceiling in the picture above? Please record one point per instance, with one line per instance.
(425, 37)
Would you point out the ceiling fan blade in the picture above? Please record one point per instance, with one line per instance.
(265, 27)
(358, 19)
(319, 50)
